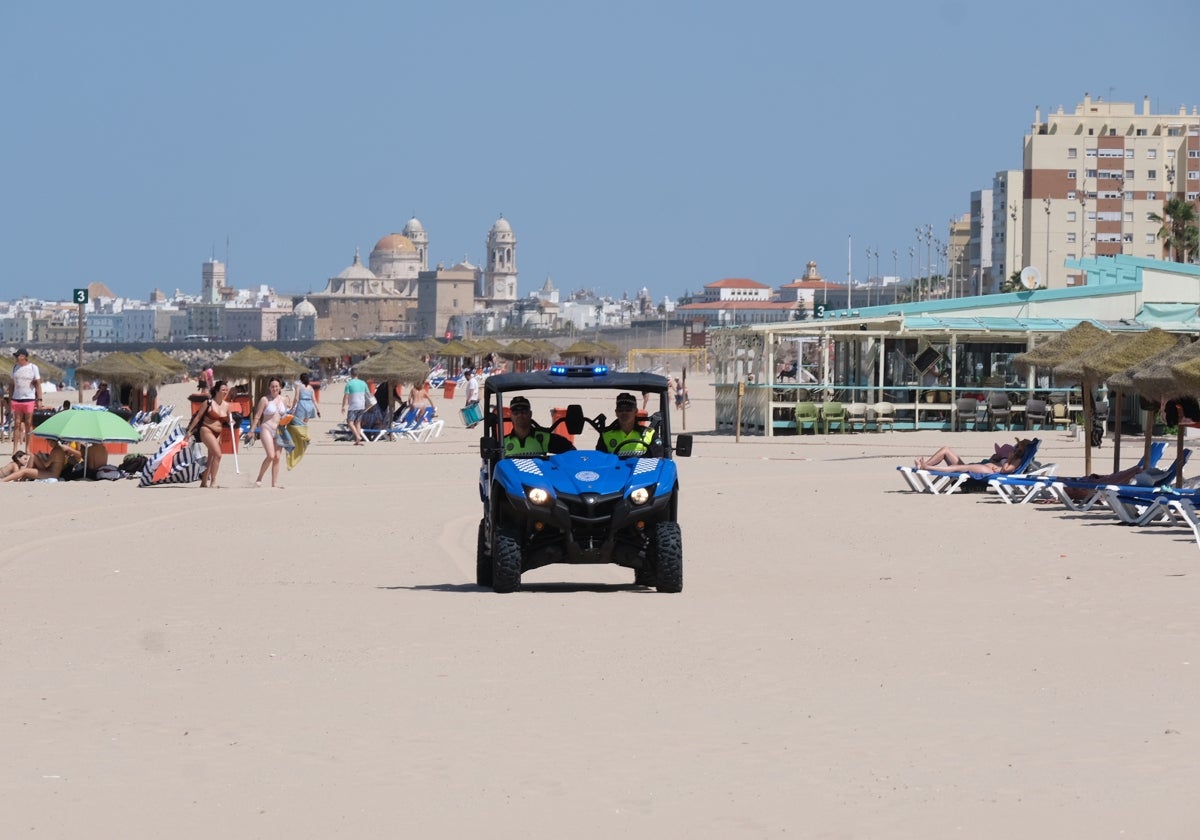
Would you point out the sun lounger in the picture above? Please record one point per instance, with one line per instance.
(1081, 495)
(941, 483)
(1020, 490)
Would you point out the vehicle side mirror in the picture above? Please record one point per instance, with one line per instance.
(575, 419)
(489, 448)
(683, 446)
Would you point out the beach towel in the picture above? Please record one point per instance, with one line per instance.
(299, 434)
(173, 463)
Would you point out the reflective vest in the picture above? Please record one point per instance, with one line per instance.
(617, 442)
(538, 443)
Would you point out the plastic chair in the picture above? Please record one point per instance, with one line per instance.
(806, 417)
(1059, 415)
(966, 411)
(999, 409)
(1035, 412)
(885, 415)
(833, 413)
(856, 416)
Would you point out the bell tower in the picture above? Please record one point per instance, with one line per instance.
(500, 272)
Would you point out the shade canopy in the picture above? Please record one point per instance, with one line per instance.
(1135, 349)
(158, 357)
(1067, 345)
(124, 369)
(393, 364)
(87, 424)
(48, 371)
(1156, 379)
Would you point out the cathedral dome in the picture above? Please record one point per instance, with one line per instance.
(502, 226)
(304, 309)
(395, 242)
(358, 271)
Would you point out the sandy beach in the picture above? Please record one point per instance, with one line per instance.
(847, 659)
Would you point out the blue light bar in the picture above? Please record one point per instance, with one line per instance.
(578, 370)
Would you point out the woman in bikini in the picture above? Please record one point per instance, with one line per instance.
(210, 419)
(271, 407)
(18, 469)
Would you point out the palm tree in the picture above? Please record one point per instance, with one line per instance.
(1179, 233)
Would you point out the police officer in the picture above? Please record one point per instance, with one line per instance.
(526, 438)
(625, 436)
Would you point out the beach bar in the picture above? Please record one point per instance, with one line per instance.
(921, 359)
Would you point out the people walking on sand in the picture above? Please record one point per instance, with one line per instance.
(271, 407)
(304, 404)
(26, 397)
(206, 426)
(471, 385)
(354, 403)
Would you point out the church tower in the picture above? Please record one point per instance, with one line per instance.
(420, 240)
(500, 273)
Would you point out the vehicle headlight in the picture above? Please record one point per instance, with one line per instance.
(640, 496)
(538, 496)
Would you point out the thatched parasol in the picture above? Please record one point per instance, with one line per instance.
(1157, 380)
(124, 369)
(47, 371)
(328, 350)
(1154, 379)
(456, 349)
(246, 363)
(1129, 350)
(394, 365)
(158, 357)
(1060, 348)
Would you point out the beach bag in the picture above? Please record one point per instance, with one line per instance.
(107, 472)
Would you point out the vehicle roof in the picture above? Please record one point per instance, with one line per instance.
(543, 380)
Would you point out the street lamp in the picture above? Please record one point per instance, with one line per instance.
(1046, 203)
(1082, 196)
(912, 272)
(1012, 213)
(895, 271)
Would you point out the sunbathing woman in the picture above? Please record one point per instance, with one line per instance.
(18, 469)
(1005, 460)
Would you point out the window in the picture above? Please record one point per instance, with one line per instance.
(1129, 217)
(1089, 173)
(1071, 236)
(1071, 194)
(1127, 238)
(1150, 237)
(1194, 153)
(1170, 154)
(1070, 215)
(1129, 174)
(1128, 195)
(1141, 132)
(1072, 175)
(1151, 174)
(1151, 196)
(1151, 154)
(1128, 154)
(1072, 154)
(1192, 196)
(1089, 152)
(1193, 174)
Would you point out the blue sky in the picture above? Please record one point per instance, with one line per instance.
(629, 144)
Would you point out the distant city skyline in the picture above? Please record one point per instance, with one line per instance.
(663, 145)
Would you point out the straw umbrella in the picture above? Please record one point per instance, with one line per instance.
(158, 357)
(1130, 350)
(1156, 380)
(393, 365)
(1082, 338)
(124, 369)
(48, 372)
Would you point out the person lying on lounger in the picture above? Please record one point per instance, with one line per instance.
(1005, 459)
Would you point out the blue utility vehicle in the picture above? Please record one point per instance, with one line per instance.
(582, 505)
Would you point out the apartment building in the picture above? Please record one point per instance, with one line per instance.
(1089, 182)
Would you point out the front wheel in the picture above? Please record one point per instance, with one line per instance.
(483, 559)
(506, 562)
(668, 557)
